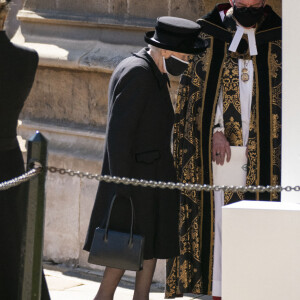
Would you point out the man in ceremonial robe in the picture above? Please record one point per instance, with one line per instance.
(229, 96)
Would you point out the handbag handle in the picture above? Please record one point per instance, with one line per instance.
(130, 243)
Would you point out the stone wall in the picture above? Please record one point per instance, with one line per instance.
(79, 44)
(276, 5)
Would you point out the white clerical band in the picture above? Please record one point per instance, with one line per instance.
(238, 36)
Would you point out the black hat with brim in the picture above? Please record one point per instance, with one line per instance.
(176, 34)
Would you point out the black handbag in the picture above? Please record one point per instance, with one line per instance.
(117, 249)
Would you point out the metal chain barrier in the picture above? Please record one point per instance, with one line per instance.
(173, 185)
(35, 171)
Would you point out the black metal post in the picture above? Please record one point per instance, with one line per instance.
(37, 152)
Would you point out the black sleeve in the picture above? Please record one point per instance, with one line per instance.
(126, 112)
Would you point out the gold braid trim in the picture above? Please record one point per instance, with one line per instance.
(184, 271)
(274, 64)
(231, 102)
(232, 111)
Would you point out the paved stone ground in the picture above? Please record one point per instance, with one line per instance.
(81, 284)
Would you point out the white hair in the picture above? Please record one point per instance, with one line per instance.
(154, 49)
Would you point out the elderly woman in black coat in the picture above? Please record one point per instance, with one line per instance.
(140, 121)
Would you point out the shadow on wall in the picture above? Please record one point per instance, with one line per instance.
(12, 24)
(276, 5)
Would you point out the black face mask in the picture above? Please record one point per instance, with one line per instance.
(174, 65)
(248, 16)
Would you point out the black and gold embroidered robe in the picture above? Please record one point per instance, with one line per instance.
(191, 272)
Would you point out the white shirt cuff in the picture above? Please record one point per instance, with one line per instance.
(218, 129)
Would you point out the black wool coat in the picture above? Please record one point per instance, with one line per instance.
(140, 122)
(17, 71)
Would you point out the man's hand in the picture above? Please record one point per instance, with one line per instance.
(220, 147)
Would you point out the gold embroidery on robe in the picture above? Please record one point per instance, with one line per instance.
(185, 273)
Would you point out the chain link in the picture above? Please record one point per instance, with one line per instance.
(37, 168)
(35, 171)
(173, 185)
